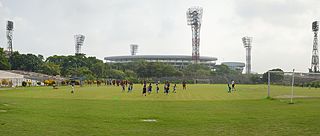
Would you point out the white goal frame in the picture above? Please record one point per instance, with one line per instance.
(293, 73)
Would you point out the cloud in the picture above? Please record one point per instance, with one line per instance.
(280, 28)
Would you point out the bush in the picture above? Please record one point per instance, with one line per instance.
(10, 83)
(24, 83)
(49, 82)
(4, 82)
(98, 82)
(77, 82)
(29, 83)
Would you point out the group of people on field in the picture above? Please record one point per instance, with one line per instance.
(232, 88)
(147, 88)
(166, 88)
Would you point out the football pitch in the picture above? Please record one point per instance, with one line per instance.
(199, 110)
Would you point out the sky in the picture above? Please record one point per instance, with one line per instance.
(281, 29)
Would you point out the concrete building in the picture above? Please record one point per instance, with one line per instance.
(178, 61)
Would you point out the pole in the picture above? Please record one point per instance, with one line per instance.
(268, 84)
(292, 84)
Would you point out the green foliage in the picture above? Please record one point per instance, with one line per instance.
(26, 62)
(91, 68)
(197, 70)
(4, 62)
(315, 84)
(130, 74)
(51, 68)
(276, 76)
(224, 70)
(256, 78)
(117, 74)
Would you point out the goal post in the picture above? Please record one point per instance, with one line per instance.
(290, 85)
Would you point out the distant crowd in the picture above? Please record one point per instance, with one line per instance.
(147, 88)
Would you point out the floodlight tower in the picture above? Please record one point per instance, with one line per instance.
(315, 56)
(247, 44)
(194, 18)
(9, 37)
(133, 49)
(79, 42)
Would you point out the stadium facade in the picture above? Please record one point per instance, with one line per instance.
(237, 66)
(178, 61)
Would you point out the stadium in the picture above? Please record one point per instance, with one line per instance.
(178, 61)
(79, 95)
(237, 66)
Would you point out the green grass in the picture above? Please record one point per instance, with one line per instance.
(201, 110)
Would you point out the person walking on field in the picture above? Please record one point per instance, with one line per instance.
(174, 88)
(184, 85)
(130, 87)
(123, 87)
(233, 85)
(229, 88)
(167, 88)
(150, 88)
(157, 87)
(144, 90)
(72, 86)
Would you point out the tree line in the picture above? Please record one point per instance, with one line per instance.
(93, 68)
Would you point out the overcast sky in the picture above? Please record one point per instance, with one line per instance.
(281, 29)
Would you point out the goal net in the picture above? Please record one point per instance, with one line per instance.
(293, 85)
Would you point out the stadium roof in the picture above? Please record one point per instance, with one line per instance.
(9, 75)
(238, 64)
(163, 57)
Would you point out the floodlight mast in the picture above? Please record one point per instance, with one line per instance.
(9, 37)
(79, 39)
(133, 49)
(247, 44)
(194, 19)
(315, 55)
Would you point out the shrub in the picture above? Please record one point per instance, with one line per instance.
(77, 82)
(29, 83)
(10, 83)
(24, 83)
(4, 82)
(49, 82)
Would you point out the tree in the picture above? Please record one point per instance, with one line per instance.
(197, 70)
(26, 62)
(116, 74)
(50, 68)
(275, 76)
(99, 69)
(256, 78)
(222, 69)
(4, 62)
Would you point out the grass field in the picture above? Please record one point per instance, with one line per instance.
(200, 110)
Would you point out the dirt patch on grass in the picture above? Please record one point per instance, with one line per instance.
(149, 120)
(295, 96)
